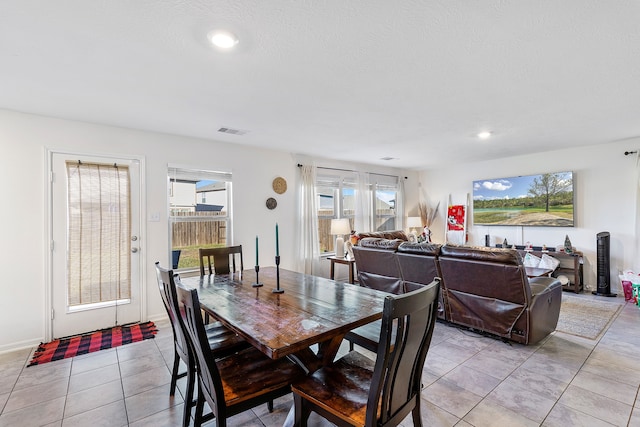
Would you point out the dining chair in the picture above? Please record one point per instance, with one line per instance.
(221, 256)
(220, 340)
(356, 391)
(235, 383)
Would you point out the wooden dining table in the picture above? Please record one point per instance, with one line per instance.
(311, 310)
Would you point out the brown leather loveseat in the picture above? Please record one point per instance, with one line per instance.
(485, 289)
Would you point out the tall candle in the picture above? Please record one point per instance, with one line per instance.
(257, 250)
(277, 242)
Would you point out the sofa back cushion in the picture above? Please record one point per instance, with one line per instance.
(378, 269)
(419, 265)
(482, 253)
(380, 243)
(487, 288)
(395, 234)
(418, 262)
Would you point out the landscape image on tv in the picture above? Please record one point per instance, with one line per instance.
(533, 200)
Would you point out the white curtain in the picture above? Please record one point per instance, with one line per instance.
(308, 241)
(636, 257)
(363, 204)
(400, 204)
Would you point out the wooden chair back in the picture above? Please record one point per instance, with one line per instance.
(167, 286)
(407, 327)
(210, 381)
(350, 393)
(232, 384)
(166, 283)
(221, 257)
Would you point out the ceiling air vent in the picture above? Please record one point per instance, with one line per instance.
(232, 131)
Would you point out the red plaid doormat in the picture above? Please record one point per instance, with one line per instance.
(92, 341)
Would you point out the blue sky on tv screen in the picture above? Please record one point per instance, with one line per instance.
(506, 188)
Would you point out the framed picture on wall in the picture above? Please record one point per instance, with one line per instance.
(545, 200)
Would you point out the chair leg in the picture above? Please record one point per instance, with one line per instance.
(270, 405)
(301, 411)
(188, 400)
(197, 418)
(174, 372)
(350, 345)
(417, 419)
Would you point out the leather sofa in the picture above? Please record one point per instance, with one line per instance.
(485, 289)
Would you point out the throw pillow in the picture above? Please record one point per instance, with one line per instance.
(549, 262)
(531, 260)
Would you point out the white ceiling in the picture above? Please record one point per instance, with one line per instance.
(414, 80)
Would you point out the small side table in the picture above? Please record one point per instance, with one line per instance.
(346, 261)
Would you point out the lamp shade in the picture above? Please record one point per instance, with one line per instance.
(414, 222)
(340, 226)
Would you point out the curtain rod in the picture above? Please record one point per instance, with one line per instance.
(626, 153)
(349, 170)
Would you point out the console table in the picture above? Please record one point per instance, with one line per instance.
(570, 266)
(347, 261)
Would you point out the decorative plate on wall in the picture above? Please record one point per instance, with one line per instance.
(271, 203)
(279, 185)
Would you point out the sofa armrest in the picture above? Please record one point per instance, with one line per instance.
(539, 285)
(545, 307)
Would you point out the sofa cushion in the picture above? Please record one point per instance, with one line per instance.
(482, 253)
(380, 243)
(395, 234)
(423, 248)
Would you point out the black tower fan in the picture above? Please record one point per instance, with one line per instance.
(604, 264)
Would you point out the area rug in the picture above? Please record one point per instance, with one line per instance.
(586, 317)
(92, 341)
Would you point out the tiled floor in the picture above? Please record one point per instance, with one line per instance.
(469, 380)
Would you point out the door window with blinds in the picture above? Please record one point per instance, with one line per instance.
(199, 213)
(336, 199)
(99, 229)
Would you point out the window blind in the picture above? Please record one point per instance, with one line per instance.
(99, 230)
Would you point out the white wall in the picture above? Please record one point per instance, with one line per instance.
(24, 139)
(605, 185)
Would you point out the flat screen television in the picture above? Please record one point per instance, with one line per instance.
(544, 200)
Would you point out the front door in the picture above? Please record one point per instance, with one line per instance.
(95, 265)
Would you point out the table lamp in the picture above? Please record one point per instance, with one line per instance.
(340, 227)
(412, 223)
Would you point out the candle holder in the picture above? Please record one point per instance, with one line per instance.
(257, 284)
(277, 290)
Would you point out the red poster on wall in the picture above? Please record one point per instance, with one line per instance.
(456, 217)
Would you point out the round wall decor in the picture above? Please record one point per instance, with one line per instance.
(279, 185)
(271, 203)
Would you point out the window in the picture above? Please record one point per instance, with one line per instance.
(337, 193)
(385, 196)
(199, 213)
(336, 199)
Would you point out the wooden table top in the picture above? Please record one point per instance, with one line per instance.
(311, 310)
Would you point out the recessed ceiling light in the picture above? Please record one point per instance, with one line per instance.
(222, 39)
(484, 135)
